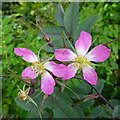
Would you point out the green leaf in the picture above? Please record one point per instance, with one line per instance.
(86, 25)
(31, 106)
(58, 44)
(81, 90)
(63, 96)
(6, 20)
(23, 105)
(12, 59)
(8, 28)
(10, 89)
(99, 86)
(8, 38)
(71, 17)
(113, 63)
(63, 110)
(63, 106)
(115, 48)
(116, 112)
(48, 103)
(86, 104)
(80, 111)
(54, 32)
(45, 114)
(59, 14)
(97, 111)
(86, 87)
(7, 49)
(33, 114)
(114, 103)
(10, 48)
(29, 36)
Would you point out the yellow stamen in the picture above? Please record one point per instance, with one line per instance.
(80, 62)
(38, 68)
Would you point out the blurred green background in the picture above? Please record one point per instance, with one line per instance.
(17, 31)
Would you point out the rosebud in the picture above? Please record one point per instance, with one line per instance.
(47, 39)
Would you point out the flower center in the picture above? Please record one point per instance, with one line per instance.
(81, 61)
(38, 68)
(22, 95)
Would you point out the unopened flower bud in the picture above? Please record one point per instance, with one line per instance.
(50, 44)
(47, 39)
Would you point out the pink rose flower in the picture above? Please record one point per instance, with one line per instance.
(81, 59)
(37, 68)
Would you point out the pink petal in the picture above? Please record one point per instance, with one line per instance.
(71, 71)
(28, 73)
(67, 55)
(90, 75)
(47, 83)
(27, 54)
(57, 70)
(83, 43)
(98, 54)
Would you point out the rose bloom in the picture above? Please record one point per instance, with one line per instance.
(81, 58)
(43, 69)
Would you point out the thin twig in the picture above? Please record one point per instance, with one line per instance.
(78, 102)
(26, 44)
(46, 37)
(96, 91)
(64, 45)
(93, 41)
(54, 101)
(57, 94)
(110, 41)
(104, 108)
(37, 87)
(71, 37)
(51, 114)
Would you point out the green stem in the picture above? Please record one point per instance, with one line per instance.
(52, 57)
(96, 91)
(68, 88)
(41, 48)
(70, 44)
(102, 65)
